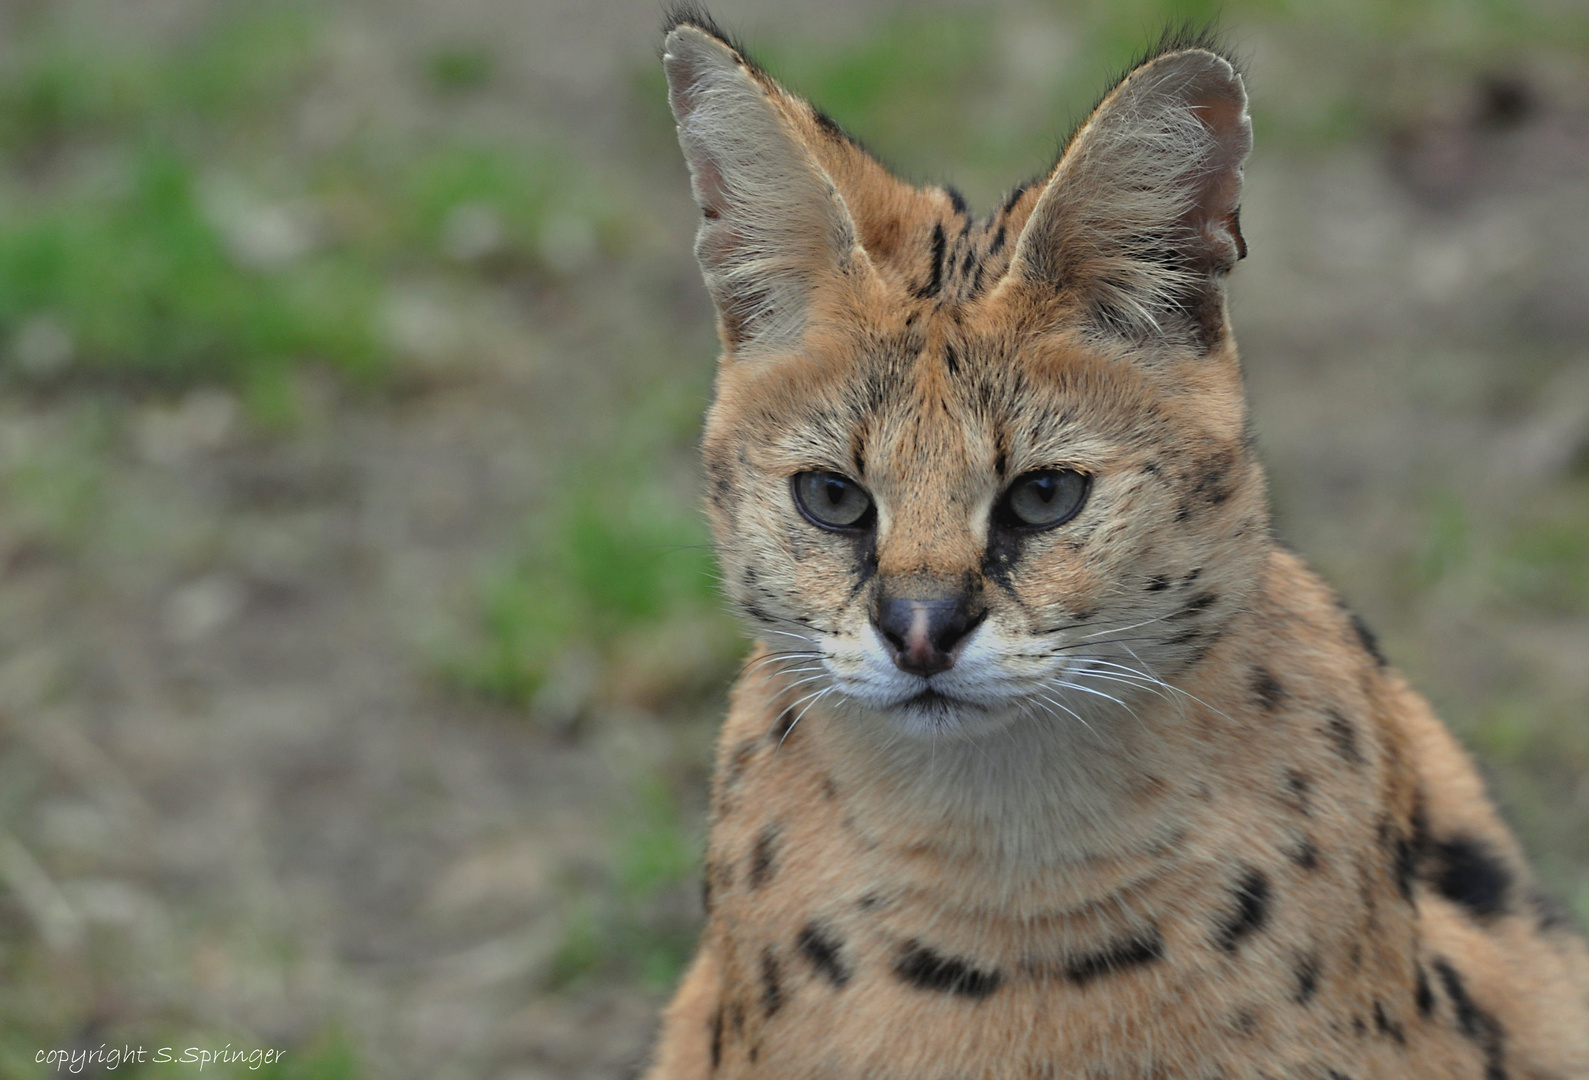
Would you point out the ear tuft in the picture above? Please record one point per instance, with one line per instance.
(694, 15)
(773, 225)
(1139, 219)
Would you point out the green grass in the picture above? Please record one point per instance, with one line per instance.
(145, 287)
(1544, 564)
(641, 923)
(460, 68)
(161, 224)
(615, 552)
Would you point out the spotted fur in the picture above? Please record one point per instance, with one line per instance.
(1160, 808)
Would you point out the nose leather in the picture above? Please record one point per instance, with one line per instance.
(922, 633)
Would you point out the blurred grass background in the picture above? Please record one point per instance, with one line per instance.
(359, 653)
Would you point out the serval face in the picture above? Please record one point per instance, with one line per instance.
(967, 472)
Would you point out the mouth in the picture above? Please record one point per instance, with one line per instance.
(934, 703)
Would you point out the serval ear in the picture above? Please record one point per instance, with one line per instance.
(1138, 222)
(773, 226)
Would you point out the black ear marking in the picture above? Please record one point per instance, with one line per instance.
(934, 283)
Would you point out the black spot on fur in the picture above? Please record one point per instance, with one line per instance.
(717, 1038)
(1466, 871)
(1334, 1075)
(1343, 737)
(925, 969)
(1251, 911)
(1200, 602)
(1115, 956)
(1158, 584)
(825, 952)
(706, 887)
(950, 360)
(1386, 1026)
(1305, 853)
(771, 983)
(763, 857)
(1307, 972)
(738, 762)
(1369, 642)
(1266, 689)
(869, 901)
(1476, 1024)
(1213, 483)
(783, 725)
(935, 282)
(1423, 997)
(1300, 790)
(1244, 1023)
(1359, 1026)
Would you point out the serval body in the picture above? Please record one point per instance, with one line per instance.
(1052, 763)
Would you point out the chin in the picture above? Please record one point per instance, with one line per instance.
(933, 715)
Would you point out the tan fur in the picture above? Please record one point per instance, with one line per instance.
(1177, 819)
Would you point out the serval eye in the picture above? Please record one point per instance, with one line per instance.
(1045, 498)
(832, 501)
